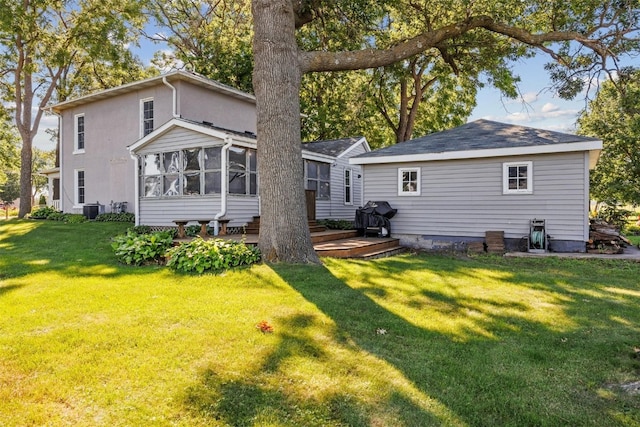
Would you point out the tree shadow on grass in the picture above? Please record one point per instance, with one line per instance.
(276, 393)
(506, 365)
(74, 250)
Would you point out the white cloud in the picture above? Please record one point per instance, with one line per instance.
(549, 107)
(529, 97)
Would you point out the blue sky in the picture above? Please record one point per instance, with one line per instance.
(538, 105)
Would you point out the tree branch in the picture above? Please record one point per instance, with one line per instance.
(373, 58)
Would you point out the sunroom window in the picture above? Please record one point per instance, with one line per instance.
(197, 171)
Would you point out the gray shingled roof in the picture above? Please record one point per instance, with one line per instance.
(478, 135)
(333, 147)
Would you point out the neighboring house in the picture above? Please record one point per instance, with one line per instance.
(451, 187)
(182, 163)
(96, 130)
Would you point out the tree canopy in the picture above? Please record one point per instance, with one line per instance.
(9, 151)
(581, 36)
(61, 45)
(614, 116)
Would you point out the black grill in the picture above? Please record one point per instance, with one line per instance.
(373, 219)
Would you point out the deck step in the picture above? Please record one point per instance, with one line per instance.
(339, 244)
(253, 227)
(332, 235)
(357, 247)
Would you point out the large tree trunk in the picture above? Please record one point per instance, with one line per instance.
(284, 230)
(26, 156)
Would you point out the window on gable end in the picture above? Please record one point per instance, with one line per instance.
(78, 133)
(146, 116)
(409, 181)
(517, 178)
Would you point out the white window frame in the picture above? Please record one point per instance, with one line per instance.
(401, 190)
(505, 177)
(76, 188)
(142, 119)
(348, 187)
(76, 148)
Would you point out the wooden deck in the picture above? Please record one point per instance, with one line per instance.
(337, 244)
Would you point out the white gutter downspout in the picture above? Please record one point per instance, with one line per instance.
(175, 96)
(136, 173)
(60, 188)
(224, 183)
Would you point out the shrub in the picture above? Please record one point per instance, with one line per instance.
(116, 217)
(43, 213)
(337, 224)
(192, 230)
(633, 230)
(614, 215)
(57, 216)
(140, 229)
(138, 249)
(74, 218)
(214, 255)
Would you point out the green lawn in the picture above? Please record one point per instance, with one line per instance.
(412, 340)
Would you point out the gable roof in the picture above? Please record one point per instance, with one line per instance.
(203, 128)
(321, 150)
(482, 138)
(172, 76)
(335, 147)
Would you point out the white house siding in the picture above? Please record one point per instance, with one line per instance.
(179, 139)
(113, 123)
(225, 111)
(462, 199)
(335, 208)
(162, 212)
(110, 126)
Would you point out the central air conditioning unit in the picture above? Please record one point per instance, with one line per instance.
(538, 239)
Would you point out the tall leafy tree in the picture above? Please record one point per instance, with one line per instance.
(210, 37)
(9, 191)
(9, 141)
(614, 116)
(46, 44)
(213, 38)
(599, 28)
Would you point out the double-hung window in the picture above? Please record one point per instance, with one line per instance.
(78, 133)
(318, 178)
(146, 116)
(348, 187)
(79, 192)
(409, 181)
(517, 178)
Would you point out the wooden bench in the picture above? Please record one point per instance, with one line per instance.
(181, 223)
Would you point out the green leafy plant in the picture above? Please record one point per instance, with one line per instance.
(614, 215)
(74, 218)
(337, 224)
(140, 229)
(214, 255)
(192, 230)
(633, 230)
(116, 217)
(139, 249)
(43, 213)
